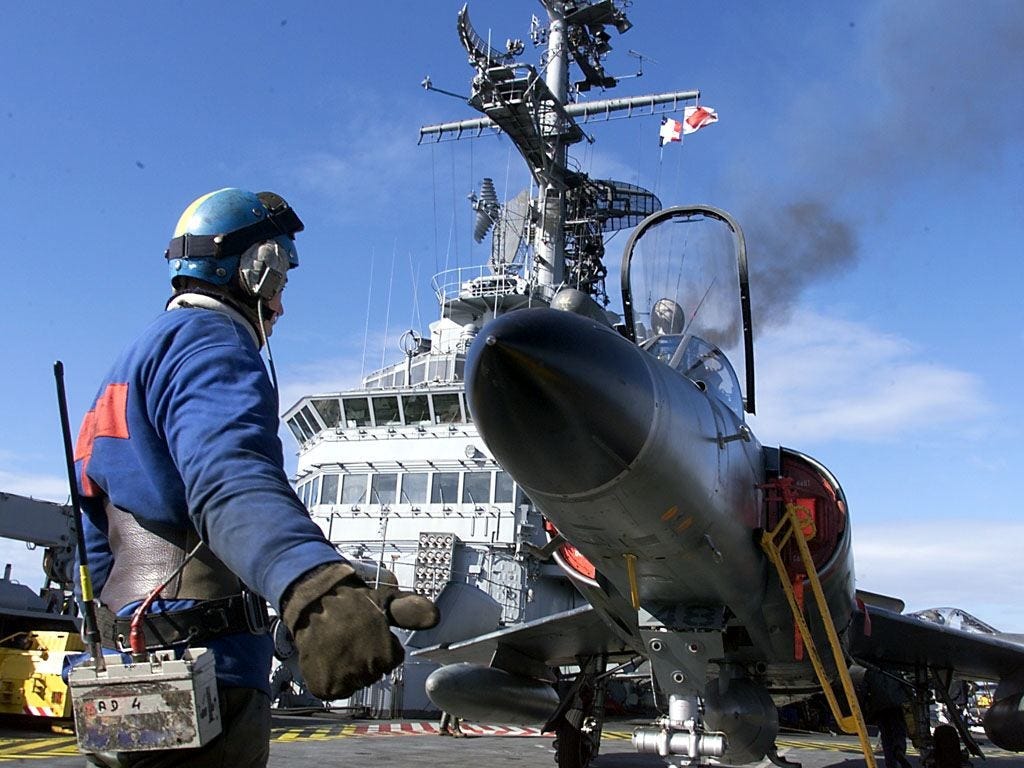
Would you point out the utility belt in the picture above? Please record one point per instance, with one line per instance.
(144, 554)
(205, 621)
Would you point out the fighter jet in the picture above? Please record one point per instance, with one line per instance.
(725, 564)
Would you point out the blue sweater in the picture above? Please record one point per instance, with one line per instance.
(184, 431)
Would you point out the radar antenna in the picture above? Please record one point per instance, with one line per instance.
(486, 207)
(511, 240)
(511, 222)
(561, 229)
(480, 52)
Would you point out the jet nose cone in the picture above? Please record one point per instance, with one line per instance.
(564, 404)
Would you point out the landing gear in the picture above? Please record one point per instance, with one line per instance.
(580, 717)
(941, 749)
(946, 753)
(574, 748)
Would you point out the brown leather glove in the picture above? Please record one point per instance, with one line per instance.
(341, 628)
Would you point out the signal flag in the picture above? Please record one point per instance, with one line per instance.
(694, 118)
(671, 130)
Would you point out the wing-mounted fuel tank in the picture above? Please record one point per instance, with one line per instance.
(1004, 721)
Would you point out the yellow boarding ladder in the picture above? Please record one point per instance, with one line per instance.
(791, 527)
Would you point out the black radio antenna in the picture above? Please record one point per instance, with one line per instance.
(90, 628)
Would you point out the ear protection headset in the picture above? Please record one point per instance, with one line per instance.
(263, 268)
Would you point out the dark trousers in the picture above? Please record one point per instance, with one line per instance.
(893, 729)
(244, 741)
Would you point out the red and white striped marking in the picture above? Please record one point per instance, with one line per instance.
(39, 711)
(421, 728)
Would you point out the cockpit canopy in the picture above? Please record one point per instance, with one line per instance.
(685, 298)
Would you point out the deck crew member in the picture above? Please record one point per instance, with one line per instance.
(179, 454)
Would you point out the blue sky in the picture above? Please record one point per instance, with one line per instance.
(873, 151)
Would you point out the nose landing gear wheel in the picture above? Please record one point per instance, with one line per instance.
(578, 728)
(573, 748)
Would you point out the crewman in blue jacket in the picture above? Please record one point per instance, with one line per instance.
(182, 479)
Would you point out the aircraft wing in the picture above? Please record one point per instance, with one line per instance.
(890, 639)
(552, 641)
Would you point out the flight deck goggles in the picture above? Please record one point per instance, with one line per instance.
(280, 220)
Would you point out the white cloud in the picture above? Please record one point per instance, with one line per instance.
(823, 378)
(322, 377)
(38, 486)
(359, 174)
(355, 172)
(26, 562)
(934, 563)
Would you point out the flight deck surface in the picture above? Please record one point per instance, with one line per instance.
(299, 742)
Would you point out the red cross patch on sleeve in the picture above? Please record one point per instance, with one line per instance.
(108, 418)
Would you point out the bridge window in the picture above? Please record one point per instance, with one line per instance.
(307, 430)
(383, 488)
(416, 408)
(385, 411)
(314, 425)
(329, 490)
(353, 489)
(445, 488)
(447, 409)
(297, 430)
(476, 488)
(357, 411)
(329, 410)
(414, 488)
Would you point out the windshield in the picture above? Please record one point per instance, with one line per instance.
(704, 364)
(684, 275)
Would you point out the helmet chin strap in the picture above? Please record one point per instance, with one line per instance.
(266, 343)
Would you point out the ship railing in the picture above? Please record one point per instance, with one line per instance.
(476, 282)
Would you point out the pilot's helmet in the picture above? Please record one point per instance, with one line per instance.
(667, 318)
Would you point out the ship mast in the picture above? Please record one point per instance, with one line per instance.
(572, 211)
(549, 245)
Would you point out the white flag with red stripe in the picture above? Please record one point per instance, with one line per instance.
(695, 118)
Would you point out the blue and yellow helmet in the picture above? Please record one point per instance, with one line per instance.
(216, 229)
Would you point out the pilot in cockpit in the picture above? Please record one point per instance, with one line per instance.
(693, 357)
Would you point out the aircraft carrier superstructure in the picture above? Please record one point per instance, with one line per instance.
(395, 474)
(394, 470)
